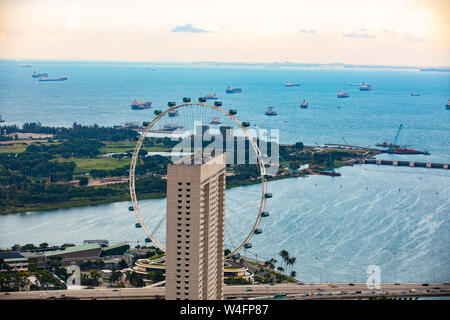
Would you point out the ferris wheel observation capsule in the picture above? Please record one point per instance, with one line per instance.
(171, 104)
(186, 99)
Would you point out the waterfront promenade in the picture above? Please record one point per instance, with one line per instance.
(263, 291)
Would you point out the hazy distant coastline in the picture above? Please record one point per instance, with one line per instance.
(336, 65)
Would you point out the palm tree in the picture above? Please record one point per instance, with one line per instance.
(284, 255)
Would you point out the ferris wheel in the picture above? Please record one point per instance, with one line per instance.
(182, 117)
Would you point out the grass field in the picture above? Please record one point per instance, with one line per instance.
(85, 165)
(12, 148)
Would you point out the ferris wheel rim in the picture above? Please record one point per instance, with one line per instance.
(134, 158)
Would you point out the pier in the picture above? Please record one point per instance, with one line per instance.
(404, 163)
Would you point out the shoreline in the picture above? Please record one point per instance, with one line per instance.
(88, 203)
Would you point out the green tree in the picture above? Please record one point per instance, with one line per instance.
(83, 181)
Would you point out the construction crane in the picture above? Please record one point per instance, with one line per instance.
(391, 147)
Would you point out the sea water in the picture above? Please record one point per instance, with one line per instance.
(394, 218)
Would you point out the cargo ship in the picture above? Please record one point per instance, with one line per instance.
(447, 106)
(270, 112)
(404, 150)
(170, 128)
(210, 96)
(136, 105)
(62, 78)
(25, 66)
(415, 95)
(1, 119)
(365, 87)
(233, 90)
(289, 84)
(342, 94)
(304, 104)
(39, 74)
(324, 173)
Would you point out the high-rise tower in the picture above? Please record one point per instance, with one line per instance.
(195, 228)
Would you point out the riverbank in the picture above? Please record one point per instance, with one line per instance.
(93, 202)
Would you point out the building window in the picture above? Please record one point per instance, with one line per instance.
(188, 183)
(180, 183)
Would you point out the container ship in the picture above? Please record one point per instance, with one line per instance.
(365, 87)
(62, 78)
(136, 105)
(270, 112)
(210, 96)
(39, 74)
(233, 90)
(342, 94)
(304, 104)
(289, 84)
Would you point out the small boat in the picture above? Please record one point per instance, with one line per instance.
(215, 121)
(39, 74)
(1, 119)
(153, 69)
(136, 105)
(270, 112)
(210, 96)
(304, 104)
(289, 84)
(25, 66)
(365, 87)
(415, 95)
(173, 113)
(342, 94)
(447, 106)
(233, 90)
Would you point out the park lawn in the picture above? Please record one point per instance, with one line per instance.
(84, 165)
(12, 148)
(125, 146)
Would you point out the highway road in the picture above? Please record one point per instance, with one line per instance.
(293, 291)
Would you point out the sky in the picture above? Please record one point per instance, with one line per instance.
(382, 32)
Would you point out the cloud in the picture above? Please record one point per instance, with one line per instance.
(358, 35)
(188, 28)
(409, 38)
(307, 31)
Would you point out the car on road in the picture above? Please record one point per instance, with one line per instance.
(358, 292)
(115, 290)
(351, 284)
(425, 284)
(249, 289)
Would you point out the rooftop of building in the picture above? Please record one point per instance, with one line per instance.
(11, 255)
(199, 158)
(84, 247)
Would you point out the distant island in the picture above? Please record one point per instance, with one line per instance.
(436, 69)
(336, 65)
